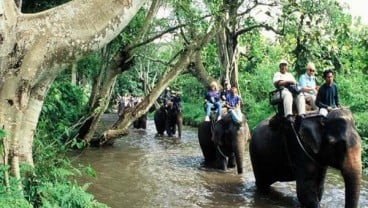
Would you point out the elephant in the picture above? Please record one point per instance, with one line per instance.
(302, 151)
(223, 143)
(141, 122)
(167, 118)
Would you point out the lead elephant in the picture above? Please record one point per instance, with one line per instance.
(223, 143)
(303, 153)
(167, 119)
(141, 122)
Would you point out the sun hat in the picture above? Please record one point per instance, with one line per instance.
(283, 62)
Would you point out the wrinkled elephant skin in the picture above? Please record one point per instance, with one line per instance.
(141, 122)
(167, 120)
(277, 155)
(224, 146)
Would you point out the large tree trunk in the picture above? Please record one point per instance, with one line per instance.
(35, 48)
(102, 98)
(103, 84)
(227, 45)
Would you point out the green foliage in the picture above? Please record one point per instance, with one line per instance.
(10, 196)
(8, 200)
(365, 157)
(49, 185)
(67, 196)
(193, 113)
(2, 133)
(210, 59)
(63, 107)
(89, 67)
(353, 91)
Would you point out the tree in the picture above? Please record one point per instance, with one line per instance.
(240, 19)
(315, 31)
(35, 48)
(117, 58)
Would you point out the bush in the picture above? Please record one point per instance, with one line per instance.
(67, 195)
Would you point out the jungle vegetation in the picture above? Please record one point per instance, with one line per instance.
(181, 44)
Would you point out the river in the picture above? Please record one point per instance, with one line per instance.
(143, 171)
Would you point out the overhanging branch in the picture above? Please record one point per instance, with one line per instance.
(261, 25)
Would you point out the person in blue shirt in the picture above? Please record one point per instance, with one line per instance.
(226, 90)
(327, 96)
(307, 84)
(233, 102)
(212, 99)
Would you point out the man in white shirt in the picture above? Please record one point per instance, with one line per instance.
(282, 78)
(307, 82)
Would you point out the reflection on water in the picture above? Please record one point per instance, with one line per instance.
(143, 171)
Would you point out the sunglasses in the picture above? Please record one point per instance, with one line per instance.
(311, 70)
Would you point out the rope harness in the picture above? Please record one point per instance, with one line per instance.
(302, 147)
(213, 120)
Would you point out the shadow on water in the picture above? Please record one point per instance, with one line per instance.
(144, 171)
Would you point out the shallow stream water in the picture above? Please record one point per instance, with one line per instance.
(144, 171)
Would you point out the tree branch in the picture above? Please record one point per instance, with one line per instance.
(261, 25)
(248, 10)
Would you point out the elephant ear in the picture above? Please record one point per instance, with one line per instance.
(218, 132)
(311, 133)
(222, 129)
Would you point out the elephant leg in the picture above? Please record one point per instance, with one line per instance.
(144, 124)
(168, 128)
(263, 183)
(307, 193)
(231, 162)
(207, 146)
(174, 128)
(160, 121)
(309, 186)
(320, 184)
(263, 175)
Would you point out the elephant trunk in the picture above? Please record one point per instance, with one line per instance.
(239, 148)
(352, 174)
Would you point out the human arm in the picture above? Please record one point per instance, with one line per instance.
(232, 102)
(280, 79)
(337, 97)
(307, 85)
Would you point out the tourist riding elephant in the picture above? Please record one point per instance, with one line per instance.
(223, 143)
(304, 150)
(166, 119)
